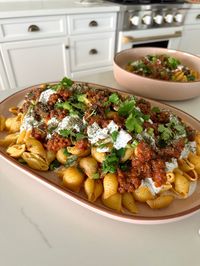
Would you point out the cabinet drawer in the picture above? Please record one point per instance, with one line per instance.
(91, 51)
(32, 27)
(92, 23)
(193, 17)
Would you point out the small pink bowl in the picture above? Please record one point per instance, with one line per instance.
(153, 88)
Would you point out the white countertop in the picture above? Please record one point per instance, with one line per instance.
(41, 228)
(52, 7)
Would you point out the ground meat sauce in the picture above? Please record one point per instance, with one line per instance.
(144, 106)
(58, 114)
(57, 142)
(160, 117)
(42, 109)
(147, 160)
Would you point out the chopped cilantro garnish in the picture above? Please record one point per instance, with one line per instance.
(150, 131)
(81, 98)
(113, 98)
(71, 160)
(134, 124)
(64, 105)
(96, 176)
(80, 136)
(114, 135)
(65, 152)
(21, 160)
(190, 77)
(64, 83)
(155, 109)
(67, 133)
(166, 133)
(67, 106)
(55, 164)
(173, 62)
(127, 107)
(102, 145)
(111, 162)
(125, 166)
(120, 153)
(134, 144)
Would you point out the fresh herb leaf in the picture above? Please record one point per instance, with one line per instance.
(65, 152)
(66, 82)
(190, 77)
(134, 144)
(80, 106)
(64, 105)
(146, 117)
(80, 136)
(110, 164)
(113, 98)
(134, 124)
(125, 166)
(180, 129)
(155, 109)
(127, 107)
(67, 133)
(112, 160)
(96, 176)
(166, 133)
(71, 160)
(150, 131)
(114, 135)
(54, 165)
(102, 145)
(173, 62)
(120, 153)
(21, 160)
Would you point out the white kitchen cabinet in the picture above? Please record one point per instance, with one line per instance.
(33, 62)
(3, 78)
(32, 28)
(47, 48)
(191, 32)
(91, 52)
(189, 41)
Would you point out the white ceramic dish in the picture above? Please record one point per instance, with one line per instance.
(179, 209)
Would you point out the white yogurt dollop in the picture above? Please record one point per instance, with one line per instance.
(44, 96)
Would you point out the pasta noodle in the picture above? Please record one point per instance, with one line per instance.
(162, 201)
(114, 148)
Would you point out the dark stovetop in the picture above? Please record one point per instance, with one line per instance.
(134, 2)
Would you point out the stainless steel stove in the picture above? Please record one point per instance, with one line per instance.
(150, 23)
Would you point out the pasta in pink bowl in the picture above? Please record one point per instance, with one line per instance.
(158, 73)
(126, 157)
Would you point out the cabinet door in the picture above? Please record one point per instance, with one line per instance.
(3, 78)
(190, 39)
(91, 51)
(33, 62)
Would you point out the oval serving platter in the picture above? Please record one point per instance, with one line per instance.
(179, 209)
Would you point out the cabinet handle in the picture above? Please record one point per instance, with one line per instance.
(93, 23)
(93, 51)
(198, 16)
(66, 46)
(33, 28)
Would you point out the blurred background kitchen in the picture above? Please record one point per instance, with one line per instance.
(42, 41)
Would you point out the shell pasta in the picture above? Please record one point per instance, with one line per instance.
(114, 148)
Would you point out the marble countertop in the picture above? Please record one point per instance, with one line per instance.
(52, 7)
(40, 227)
